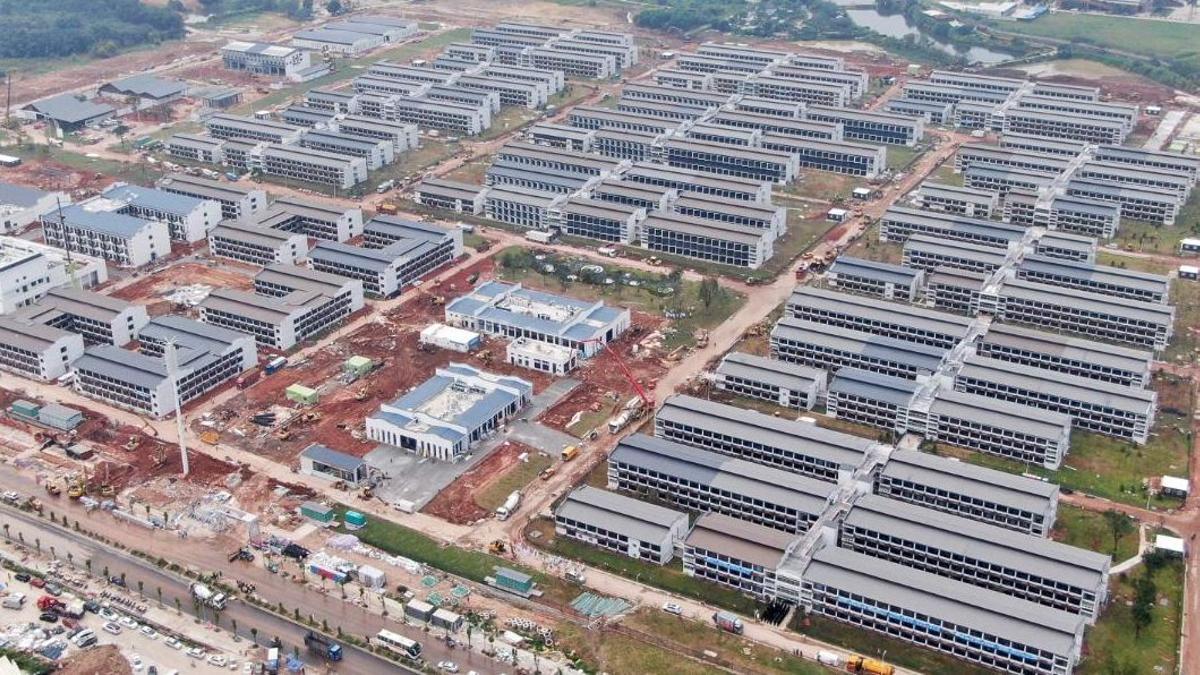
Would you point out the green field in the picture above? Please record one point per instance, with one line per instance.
(1088, 529)
(516, 478)
(899, 157)
(1109, 467)
(1161, 39)
(472, 565)
(130, 172)
(735, 652)
(1113, 645)
(669, 577)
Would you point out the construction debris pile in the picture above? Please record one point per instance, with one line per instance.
(350, 544)
(33, 638)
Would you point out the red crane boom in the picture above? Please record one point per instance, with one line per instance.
(637, 387)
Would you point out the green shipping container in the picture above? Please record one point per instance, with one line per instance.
(513, 580)
(355, 519)
(25, 408)
(359, 365)
(302, 394)
(318, 512)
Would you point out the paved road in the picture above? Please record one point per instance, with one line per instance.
(206, 556)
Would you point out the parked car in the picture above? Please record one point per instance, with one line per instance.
(48, 617)
(37, 582)
(196, 653)
(672, 608)
(149, 632)
(128, 622)
(112, 628)
(23, 577)
(173, 643)
(448, 666)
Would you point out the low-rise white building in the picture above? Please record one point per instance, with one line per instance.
(28, 270)
(20, 205)
(450, 413)
(542, 356)
(628, 526)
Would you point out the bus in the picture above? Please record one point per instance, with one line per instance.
(399, 644)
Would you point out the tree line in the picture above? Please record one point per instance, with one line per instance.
(57, 28)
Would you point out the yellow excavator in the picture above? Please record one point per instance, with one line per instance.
(77, 488)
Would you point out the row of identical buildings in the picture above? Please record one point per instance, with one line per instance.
(941, 553)
(685, 164)
(336, 136)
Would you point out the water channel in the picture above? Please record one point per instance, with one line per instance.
(897, 26)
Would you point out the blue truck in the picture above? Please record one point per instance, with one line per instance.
(323, 646)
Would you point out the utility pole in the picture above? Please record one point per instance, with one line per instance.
(62, 224)
(8, 94)
(172, 360)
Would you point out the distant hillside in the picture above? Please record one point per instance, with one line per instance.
(56, 28)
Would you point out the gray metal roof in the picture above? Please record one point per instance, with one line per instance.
(122, 365)
(190, 334)
(634, 518)
(696, 177)
(950, 224)
(876, 347)
(599, 208)
(322, 34)
(721, 472)
(205, 188)
(739, 540)
(1103, 274)
(770, 371)
(956, 278)
(964, 606)
(947, 191)
(68, 109)
(251, 234)
(882, 311)
(953, 248)
(1121, 191)
(874, 386)
(703, 227)
(877, 271)
(29, 335)
(147, 85)
(84, 303)
(1060, 385)
(995, 413)
(104, 222)
(269, 310)
(990, 544)
(339, 460)
(1100, 303)
(150, 198)
(19, 195)
(302, 279)
(793, 436)
(963, 478)
(1068, 347)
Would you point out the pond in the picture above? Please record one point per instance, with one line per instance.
(897, 26)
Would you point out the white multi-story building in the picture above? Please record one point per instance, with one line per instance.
(207, 356)
(21, 206)
(622, 524)
(236, 202)
(272, 60)
(29, 269)
(93, 229)
(188, 219)
(100, 319)
(36, 350)
(256, 245)
(787, 384)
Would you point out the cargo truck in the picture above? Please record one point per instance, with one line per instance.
(728, 622)
(323, 646)
(861, 664)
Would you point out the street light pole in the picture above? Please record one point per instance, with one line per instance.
(172, 361)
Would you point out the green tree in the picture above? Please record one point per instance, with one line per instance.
(334, 7)
(1119, 525)
(1145, 594)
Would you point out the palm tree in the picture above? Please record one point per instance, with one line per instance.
(233, 626)
(71, 558)
(178, 609)
(122, 578)
(86, 563)
(37, 541)
(106, 572)
(141, 588)
(159, 595)
(254, 634)
(21, 536)
(6, 526)
(53, 554)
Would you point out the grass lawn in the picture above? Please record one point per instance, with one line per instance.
(945, 174)
(1185, 296)
(1113, 642)
(1088, 529)
(473, 565)
(684, 304)
(899, 157)
(516, 478)
(1161, 39)
(1112, 468)
(823, 185)
(473, 240)
(346, 70)
(130, 172)
(869, 247)
(590, 420)
(669, 577)
(609, 651)
(755, 658)
(872, 644)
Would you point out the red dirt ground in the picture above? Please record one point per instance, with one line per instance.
(152, 287)
(456, 503)
(601, 377)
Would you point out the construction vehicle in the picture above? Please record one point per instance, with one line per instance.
(830, 659)
(210, 437)
(107, 490)
(862, 664)
(728, 622)
(388, 208)
(570, 452)
(546, 473)
(509, 506)
(633, 409)
(132, 443)
(701, 337)
(77, 489)
(53, 490)
(497, 547)
(323, 646)
(366, 494)
(362, 394)
(206, 596)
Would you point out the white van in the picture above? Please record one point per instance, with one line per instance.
(85, 638)
(14, 601)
